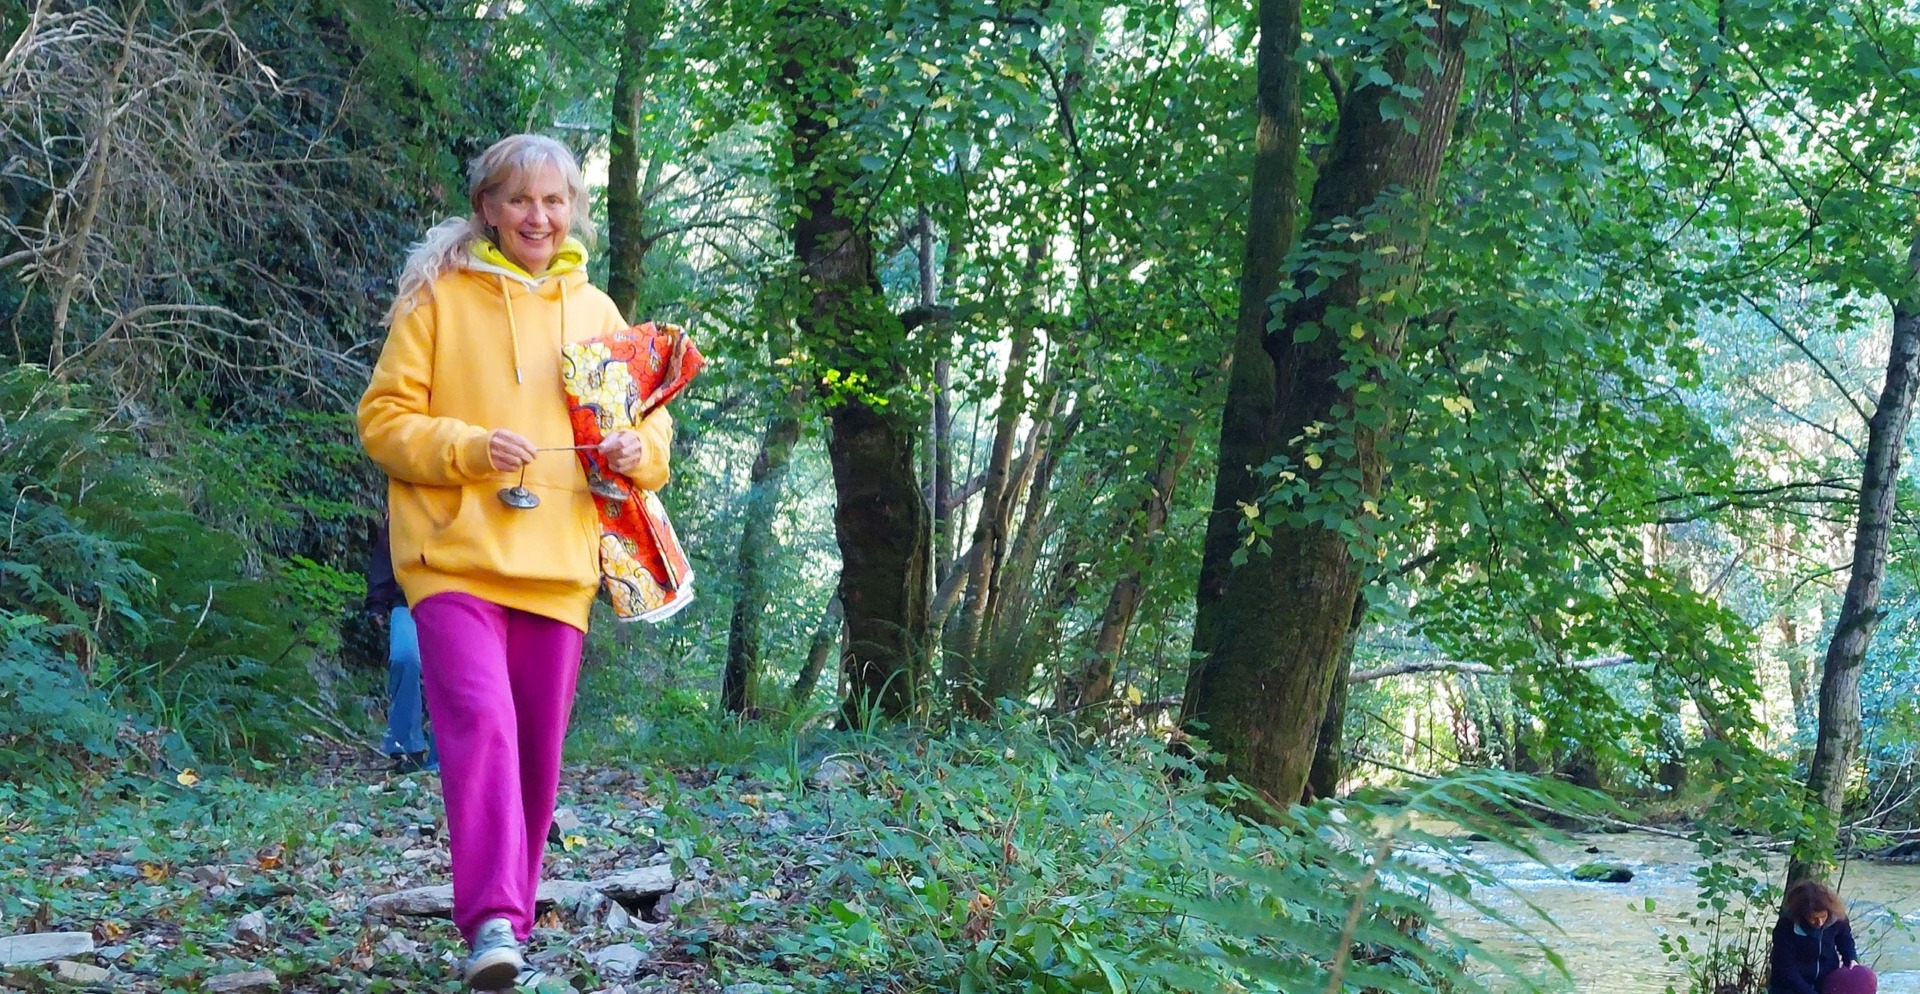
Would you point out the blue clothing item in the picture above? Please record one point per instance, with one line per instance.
(406, 710)
(1803, 957)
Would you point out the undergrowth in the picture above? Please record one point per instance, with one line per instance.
(986, 858)
(131, 628)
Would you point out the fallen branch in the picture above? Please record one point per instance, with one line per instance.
(1433, 665)
(353, 737)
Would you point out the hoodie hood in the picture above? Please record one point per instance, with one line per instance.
(486, 257)
(567, 267)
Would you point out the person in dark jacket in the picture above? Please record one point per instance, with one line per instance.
(1811, 940)
(407, 742)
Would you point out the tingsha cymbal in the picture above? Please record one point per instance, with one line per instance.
(605, 488)
(519, 497)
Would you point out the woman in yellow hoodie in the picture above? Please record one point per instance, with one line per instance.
(466, 401)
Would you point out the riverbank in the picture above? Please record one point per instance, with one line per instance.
(1646, 934)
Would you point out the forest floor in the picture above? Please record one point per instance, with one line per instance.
(201, 882)
(987, 857)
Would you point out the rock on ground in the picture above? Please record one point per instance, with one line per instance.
(251, 927)
(566, 822)
(630, 887)
(835, 772)
(1603, 873)
(623, 960)
(242, 983)
(39, 947)
(69, 972)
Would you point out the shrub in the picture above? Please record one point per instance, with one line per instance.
(123, 614)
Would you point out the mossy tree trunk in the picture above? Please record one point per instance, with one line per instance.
(881, 521)
(1270, 626)
(754, 555)
(1329, 750)
(826, 638)
(627, 239)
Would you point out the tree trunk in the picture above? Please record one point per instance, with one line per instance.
(942, 412)
(965, 678)
(1269, 629)
(826, 639)
(880, 519)
(1016, 656)
(1799, 686)
(1838, 741)
(72, 268)
(627, 241)
(755, 549)
(1329, 750)
(1672, 773)
(1093, 684)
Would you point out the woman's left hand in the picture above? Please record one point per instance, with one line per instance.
(624, 451)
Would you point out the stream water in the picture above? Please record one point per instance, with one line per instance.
(1611, 942)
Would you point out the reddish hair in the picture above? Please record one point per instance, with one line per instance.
(1809, 896)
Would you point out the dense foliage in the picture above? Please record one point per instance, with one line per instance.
(1595, 377)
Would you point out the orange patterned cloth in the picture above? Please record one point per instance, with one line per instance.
(613, 382)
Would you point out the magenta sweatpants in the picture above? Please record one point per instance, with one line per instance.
(500, 687)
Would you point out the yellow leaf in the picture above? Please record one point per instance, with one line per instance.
(1249, 510)
(1358, 330)
(1370, 507)
(187, 777)
(570, 842)
(1313, 460)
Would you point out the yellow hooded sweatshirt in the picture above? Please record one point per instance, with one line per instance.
(481, 351)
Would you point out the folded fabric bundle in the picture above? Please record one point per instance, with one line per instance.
(613, 382)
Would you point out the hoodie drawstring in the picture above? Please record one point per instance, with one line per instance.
(513, 329)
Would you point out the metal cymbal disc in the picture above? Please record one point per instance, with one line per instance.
(519, 497)
(605, 488)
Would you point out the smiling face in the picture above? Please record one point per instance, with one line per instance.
(531, 216)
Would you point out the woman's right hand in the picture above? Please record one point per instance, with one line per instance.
(509, 450)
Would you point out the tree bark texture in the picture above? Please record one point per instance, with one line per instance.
(754, 553)
(1268, 631)
(1329, 750)
(627, 241)
(1837, 744)
(1093, 684)
(942, 411)
(965, 676)
(880, 519)
(1017, 654)
(826, 639)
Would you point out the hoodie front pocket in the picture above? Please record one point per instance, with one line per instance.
(543, 544)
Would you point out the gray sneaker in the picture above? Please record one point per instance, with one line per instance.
(495, 960)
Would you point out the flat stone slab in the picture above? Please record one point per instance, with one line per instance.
(236, 983)
(68, 972)
(626, 887)
(39, 947)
